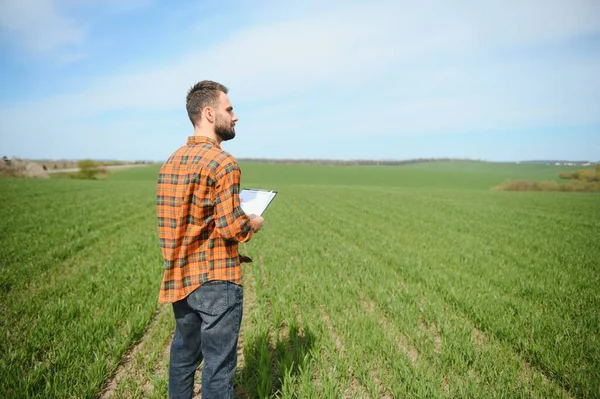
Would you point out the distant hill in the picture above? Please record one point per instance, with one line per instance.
(407, 161)
(355, 161)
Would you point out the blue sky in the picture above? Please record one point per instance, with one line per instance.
(495, 80)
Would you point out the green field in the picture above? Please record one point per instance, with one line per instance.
(367, 281)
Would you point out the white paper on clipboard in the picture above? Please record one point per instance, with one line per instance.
(255, 201)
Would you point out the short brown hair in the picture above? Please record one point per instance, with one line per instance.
(202, 94)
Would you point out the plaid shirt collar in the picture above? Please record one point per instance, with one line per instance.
(193, 140)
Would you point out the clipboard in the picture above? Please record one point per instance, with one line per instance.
(255, 200)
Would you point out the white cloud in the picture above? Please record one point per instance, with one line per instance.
(39, 25)
(44, 27)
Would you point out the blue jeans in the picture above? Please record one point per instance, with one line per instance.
(207, 327)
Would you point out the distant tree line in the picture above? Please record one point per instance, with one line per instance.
(354, 161)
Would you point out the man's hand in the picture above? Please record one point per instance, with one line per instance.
(256, 222)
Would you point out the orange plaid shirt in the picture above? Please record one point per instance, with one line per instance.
(200, 221)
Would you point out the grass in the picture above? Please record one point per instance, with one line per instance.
(78, 282)
(522, 271)
(74, 175)
(411, 281)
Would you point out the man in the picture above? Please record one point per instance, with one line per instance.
(200, 224)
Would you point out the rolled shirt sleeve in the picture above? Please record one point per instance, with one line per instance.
(230, 220)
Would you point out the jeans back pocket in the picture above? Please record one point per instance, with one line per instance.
(211, 297)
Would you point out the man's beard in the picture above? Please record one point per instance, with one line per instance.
(224, 130)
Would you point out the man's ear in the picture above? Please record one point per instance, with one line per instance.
(209, 113)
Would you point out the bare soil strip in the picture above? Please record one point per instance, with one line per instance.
(401, 339)
(127, 365)
(162, 367)
(265, 286)
(298, 318)
(261, 264)
(336, 339)
(249, 303)
(433, 332)
(437, 339)
(479, 339)
(403, 345)
(381, 392)
(527, 373)
(445, 385)
(355, 390)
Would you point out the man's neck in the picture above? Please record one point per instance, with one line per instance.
(199, 132)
